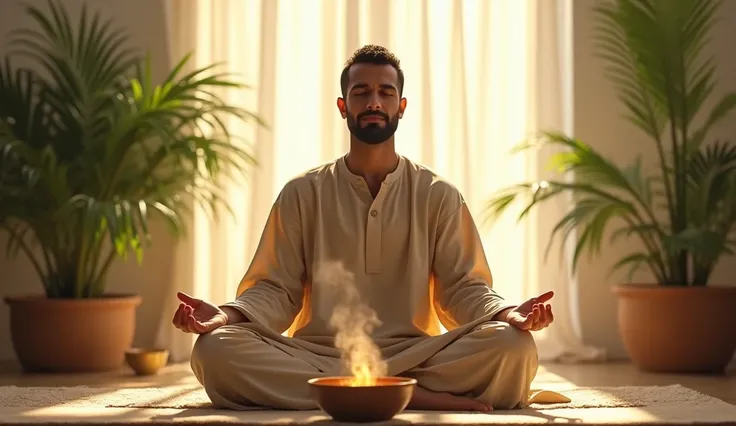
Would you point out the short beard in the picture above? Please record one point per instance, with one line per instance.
(373, 133)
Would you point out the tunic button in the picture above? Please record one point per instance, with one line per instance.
(374, 213)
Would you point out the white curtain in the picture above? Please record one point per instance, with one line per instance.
(481, 76)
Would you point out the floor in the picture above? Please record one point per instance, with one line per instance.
(550, 376)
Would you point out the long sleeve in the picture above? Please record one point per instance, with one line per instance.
(462, 277)
(271, 291)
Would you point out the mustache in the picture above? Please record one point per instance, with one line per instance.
(382, 115)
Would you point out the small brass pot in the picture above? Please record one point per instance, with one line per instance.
(146, 361)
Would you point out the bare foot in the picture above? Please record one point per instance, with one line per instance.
(424, 399)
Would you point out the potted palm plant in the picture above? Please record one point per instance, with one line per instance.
(679, 213)
(92, 153)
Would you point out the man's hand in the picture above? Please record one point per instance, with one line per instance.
(197, 316)
(533, 314)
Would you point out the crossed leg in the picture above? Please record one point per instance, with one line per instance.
(491, 366)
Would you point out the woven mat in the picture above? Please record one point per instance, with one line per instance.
(194, 397)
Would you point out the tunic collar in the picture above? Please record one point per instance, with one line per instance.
(355, 179)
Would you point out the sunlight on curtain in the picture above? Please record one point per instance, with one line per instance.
(463, 115)
(473, 90)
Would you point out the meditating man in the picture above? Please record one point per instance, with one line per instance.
(405, 239)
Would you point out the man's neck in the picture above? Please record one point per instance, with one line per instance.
(372, 162)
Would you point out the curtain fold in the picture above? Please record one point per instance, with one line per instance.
(550, 98)
(481, 76)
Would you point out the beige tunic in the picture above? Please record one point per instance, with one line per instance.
(414, 256)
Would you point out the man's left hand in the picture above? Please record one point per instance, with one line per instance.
(532, 315)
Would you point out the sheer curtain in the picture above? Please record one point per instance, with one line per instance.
(481, 75)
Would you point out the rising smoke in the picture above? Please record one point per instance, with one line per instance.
(353, 322)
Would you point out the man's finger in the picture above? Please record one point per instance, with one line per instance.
(189, 300)
(534, 315)
(176, 314)
(188, 310)
(178, 319)
(191, 324)
(542, 298)
(542, 315)
(185, 318)
(548, 318)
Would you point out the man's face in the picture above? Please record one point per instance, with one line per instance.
(373, 105)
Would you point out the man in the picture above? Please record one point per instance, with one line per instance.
(412, 252)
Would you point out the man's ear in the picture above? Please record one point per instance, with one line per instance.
(402, 107)
(342, 107)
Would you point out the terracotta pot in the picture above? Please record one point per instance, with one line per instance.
(678, 329)
(72, 335)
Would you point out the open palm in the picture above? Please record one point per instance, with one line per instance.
(197, 316)
(534, 314)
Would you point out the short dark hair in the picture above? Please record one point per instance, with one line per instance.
(371, 54)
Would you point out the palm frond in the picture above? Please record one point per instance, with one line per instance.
(655, 56)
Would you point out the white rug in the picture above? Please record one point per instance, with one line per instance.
(188, 404)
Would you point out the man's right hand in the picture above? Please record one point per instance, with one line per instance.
(197, 316)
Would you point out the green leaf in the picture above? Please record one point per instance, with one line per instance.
(700, 242)
(721, 110)
(635, 261)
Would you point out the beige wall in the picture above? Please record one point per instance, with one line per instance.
(596, 121)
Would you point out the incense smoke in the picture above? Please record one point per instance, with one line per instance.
(353, 322)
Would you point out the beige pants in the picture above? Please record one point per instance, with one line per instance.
(241, 369)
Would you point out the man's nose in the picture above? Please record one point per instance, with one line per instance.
(374, 104)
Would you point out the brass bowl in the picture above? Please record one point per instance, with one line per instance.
(146, 361)
(374, 403)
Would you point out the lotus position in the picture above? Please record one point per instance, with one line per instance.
(411, 249)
